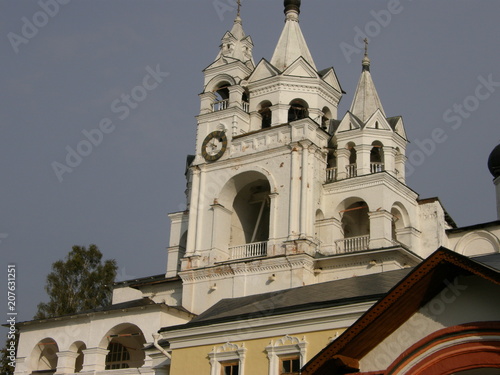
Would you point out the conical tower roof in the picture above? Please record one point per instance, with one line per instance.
(366, 100)
(292, 43)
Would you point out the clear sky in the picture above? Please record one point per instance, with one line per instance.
(67, 66)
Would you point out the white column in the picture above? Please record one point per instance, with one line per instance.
(400, 167)
(380, 229)
(193, 212)
(206, 99)
(342, 163)
(293, 219)
(94, 359)
(200, 211)
(66, 362)
(363, 159)
(304, 189)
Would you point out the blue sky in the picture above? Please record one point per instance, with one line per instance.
(436, 63)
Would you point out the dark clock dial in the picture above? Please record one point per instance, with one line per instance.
(214, 145)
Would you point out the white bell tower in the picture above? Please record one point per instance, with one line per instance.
(280, 192)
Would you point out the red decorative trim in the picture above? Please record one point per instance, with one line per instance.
(472, 354)
(439, 259)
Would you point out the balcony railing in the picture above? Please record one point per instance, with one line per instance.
(352, 244)
(351, 170)
(246, 106)
(250, 250)
(331, 174)
(220, 105)
(376, 167)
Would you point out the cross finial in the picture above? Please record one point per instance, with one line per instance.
(239, 8)
(366, 46)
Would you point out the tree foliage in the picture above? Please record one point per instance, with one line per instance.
(80, 282)
(8, 355)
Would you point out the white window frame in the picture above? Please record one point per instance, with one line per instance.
(285, 347)
(227, 353)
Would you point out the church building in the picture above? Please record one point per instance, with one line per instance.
(298, 223)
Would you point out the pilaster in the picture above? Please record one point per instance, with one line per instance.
(94, 359)
(206, 101)
(342, 163)
(363, 159)
(380, 229)
(66, 362)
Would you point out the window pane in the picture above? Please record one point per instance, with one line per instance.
(295, 365)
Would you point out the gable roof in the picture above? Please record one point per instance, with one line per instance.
(414, 291)
(310, 297)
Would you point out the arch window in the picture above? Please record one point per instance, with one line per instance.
(266, 114)
(353, 156)
(78, 347)
(221, 97)
(331, 162)
(376, 157)
(118, 356)
(245, 102)
(356, 227)
(250, 219)
(44, 356)
(298, 110)
(125, 343)
(325, 119)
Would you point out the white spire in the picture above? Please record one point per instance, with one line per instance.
(366, 100)
(291, 44)
(235, 43)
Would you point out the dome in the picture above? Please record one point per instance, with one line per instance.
(292, 5)
(494, 162)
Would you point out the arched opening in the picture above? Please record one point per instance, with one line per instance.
(124, 342)
(246, 199)
(221, 96)
(299, 109)
(397, 223)
(78, 347)
(251, 210)
(355, 226)
(377, 157)
(325, 119)
(353, 156)
(44, 356)
(266, 114)
(331, 163)
(245, 102)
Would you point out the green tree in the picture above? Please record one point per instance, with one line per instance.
(8, 355)
(80, 282)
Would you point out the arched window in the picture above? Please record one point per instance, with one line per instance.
(118, 356)
(331, 163)
(356, 227)
(298, 110)
(245, 102)
(44, 356)
(124, 342)
(221, 97)
(353, 156)
(376, 157)
(325, 120)
(266, 114)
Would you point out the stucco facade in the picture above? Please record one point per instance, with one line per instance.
(282, 193)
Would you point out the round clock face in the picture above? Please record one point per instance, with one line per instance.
(214, 146)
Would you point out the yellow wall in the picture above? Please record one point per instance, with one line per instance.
(195, 360)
